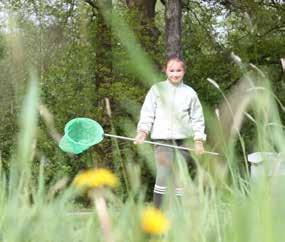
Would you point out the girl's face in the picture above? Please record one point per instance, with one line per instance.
(175, 71)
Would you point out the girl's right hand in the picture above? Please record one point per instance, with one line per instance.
(140, 137)
(199, 147)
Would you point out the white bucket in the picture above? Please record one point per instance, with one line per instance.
(266, 163)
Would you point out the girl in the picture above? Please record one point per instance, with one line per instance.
(172, 113)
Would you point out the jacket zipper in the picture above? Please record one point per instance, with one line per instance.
(171, 113)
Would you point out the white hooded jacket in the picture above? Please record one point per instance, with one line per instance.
(172, 112)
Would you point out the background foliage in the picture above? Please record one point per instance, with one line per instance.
(81, 62)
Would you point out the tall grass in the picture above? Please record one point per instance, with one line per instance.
(206, 212)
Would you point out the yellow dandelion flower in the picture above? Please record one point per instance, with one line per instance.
(94, 178)
(153, 221)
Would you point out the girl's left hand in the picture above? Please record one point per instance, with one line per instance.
(199, 147)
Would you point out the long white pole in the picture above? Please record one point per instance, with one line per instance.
(156, 143)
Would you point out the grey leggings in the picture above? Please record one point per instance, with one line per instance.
(167, 172)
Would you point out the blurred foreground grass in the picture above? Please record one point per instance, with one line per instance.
(208, 210)
(217, 206)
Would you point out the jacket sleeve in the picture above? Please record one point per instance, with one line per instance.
(197, 119)
(147, 113)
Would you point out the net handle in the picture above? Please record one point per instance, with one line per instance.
(157, 143)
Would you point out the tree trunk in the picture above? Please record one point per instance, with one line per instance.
(146, 14)
(173, 15)
(102, 43)
(103, 46)
(147, 7)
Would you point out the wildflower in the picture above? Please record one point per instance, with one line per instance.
(215, 84)
(236, 58)
(94, 178)
(153, 221)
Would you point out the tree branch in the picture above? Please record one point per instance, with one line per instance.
(265, 33)
(273, 29)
